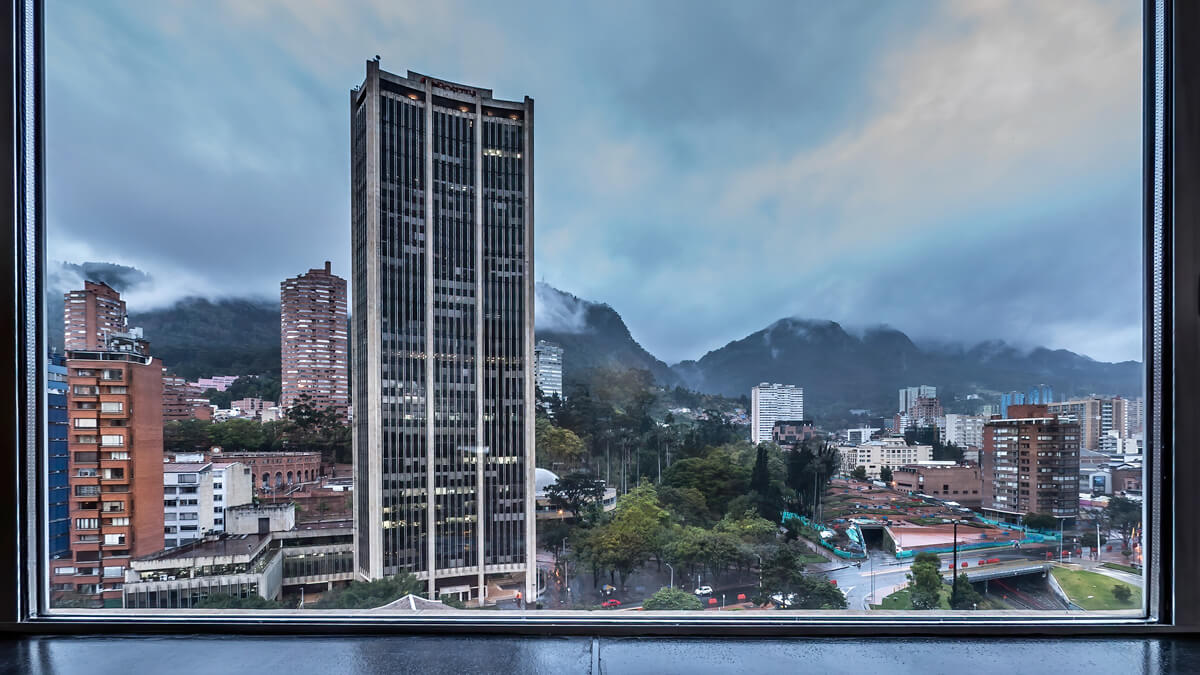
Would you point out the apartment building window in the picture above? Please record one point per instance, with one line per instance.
(111, 406)
(112, 375)
(114, 539)
(112, 440)
(87, 490)
(87, 523)
(85, 423)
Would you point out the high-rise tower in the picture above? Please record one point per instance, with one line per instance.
(314, 346)
(442, 242)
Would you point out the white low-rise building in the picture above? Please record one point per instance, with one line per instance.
(196, 494)
(891, 452)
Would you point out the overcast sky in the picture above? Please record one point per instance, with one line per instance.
(962, 171)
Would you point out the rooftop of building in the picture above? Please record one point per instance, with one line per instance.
(184, 467)
(222, 545)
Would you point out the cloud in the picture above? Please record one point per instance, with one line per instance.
(706, 169)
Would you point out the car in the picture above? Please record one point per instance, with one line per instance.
(611, 603)
(703, 590)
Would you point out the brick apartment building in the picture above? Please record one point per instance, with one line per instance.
(183, 401)
(115, 467)
(314, 340)
(790, 433)
(90, 314)
(1030, 463)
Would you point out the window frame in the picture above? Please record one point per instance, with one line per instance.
(1171, 156)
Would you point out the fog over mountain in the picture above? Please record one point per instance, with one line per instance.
(839, 368)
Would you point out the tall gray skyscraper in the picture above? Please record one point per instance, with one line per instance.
(442, 229)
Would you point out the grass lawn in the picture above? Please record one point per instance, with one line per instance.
(901, 599)
(812, 558)
(1094, 591)
(1122, 568)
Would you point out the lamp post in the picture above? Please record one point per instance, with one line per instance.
(672, 574)
(954, 568)
(759, 571)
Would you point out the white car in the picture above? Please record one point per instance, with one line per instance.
(703, 590)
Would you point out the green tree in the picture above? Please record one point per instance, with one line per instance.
(1122, 593)
(885, 474)
(187, 435)
(925, 581)
(556, 445)
(238, 434)
(860, 472)
(963, 595)
(574, 491)
(636, 532)
(224, 601)
(672, 598)
(783, 574)
(1122, 514)
(372, 594)
(1040, 521)
(687, 505)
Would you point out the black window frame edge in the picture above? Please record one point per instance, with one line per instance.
(1171, 156)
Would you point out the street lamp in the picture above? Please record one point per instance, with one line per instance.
(1060, 538)
(672, 574)
(759, 571)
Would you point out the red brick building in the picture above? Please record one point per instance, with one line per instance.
(955, 483)
(313, 334)
(276, 470)
(1030, 463)
(90, 314)
(115, 468)
(183, 401)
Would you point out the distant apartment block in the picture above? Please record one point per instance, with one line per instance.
(183, 401)
(771, 403)
(891, 452)
(791, 433)
(965, 431)
(91, 314)
(1030, 463)
(1096, 417)
(314, 340)
(860, 435)
(218, 382)
(1135, 416)
(909, 396)
(251, 407)
(548, 368)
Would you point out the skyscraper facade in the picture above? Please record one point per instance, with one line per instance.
(548, 368)
(91, 313)
(442, 241)
(771, 403)
(313, 340)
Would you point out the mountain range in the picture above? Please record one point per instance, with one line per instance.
(839, 369)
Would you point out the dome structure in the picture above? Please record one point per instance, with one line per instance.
(542, 479)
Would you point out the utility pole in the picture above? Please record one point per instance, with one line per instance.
(954, 566)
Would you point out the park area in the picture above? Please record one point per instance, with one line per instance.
(1093, 591)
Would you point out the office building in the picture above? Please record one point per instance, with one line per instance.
(218, 382)
(442, 240)
(115, 466)
(313, 335)
(251, 407)
(1040, 395)
(1135, 416)
(90, 314)
(771, 403)
(1030, 463)
(860, 435)
(58, 486)
(909, 396)
(195, 496)
(548, 368)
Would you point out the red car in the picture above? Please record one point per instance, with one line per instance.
(609, 604)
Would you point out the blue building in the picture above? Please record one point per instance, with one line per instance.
(1043, 394)
(59, 489)
(1011, 398)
